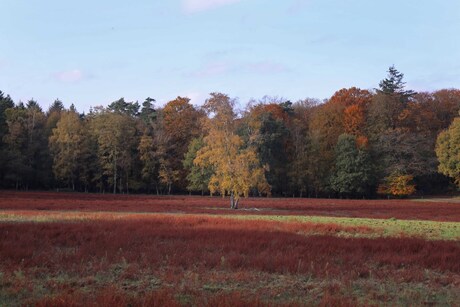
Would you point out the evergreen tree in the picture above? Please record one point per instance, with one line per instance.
(148, 112)
(393, 84)
(353, 167)
(5, 103)
(149, 162)
(123, 107)
(27, 153)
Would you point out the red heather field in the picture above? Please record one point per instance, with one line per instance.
(105, 250)
(441, 210)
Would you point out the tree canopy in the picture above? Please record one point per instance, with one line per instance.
(357, 143)
(236, 166)
(448, 151)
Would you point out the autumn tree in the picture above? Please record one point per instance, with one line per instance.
(327, 123)
(67, 144)
(290, 149)
(180, 124)
(447, 105)
(325, 128)
(448, 151)
(397, 184)
(355, 102)
(236, 166)
(419, 115)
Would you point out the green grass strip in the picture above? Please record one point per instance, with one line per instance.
(432, 230)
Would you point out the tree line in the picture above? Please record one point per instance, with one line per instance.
(358, 143)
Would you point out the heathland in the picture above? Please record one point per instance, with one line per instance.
(59, 249)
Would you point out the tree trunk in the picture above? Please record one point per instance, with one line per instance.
(115, 181)
(235, 204)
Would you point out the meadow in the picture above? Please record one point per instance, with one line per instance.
(64, 249)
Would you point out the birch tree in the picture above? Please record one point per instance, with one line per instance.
(236, 166)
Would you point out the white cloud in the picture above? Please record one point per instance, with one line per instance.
(69, 76)
(195, 6)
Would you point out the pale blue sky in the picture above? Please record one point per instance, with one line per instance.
(93, 52)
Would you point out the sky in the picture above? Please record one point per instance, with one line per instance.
(91, 53)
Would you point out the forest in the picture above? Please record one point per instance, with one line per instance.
(388, 141)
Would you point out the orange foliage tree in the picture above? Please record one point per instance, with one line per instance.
(355, 102)
(397, 185)
(180, 124)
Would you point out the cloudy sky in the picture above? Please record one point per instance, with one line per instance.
(94, 52)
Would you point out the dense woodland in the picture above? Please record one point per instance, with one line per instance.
(358, 143)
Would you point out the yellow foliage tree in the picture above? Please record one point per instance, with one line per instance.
(397, 185)
(236, 167)
(448, 151)
(67, 147)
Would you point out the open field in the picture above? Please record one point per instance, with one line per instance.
(441, 210)
(85, 249)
